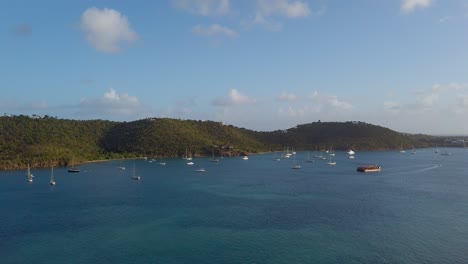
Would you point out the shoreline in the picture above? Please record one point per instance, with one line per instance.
(18, 167)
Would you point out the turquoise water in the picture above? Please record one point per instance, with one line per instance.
(254, 211)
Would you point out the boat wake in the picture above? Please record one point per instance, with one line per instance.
(430, 168)
(412, 169)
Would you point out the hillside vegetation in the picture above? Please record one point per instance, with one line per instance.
(45, 141)
(341, 136)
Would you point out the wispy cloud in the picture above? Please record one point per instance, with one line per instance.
(204, 7)
(111, 104)
(392, 106)
(214, 30)
(331, 102)
(268, 13)
(317, 106)
(296, 112)
(444, 19)
(22, 30)
(408, 6)
(264, 22)
(184, 107)
(234, 98)
(287, 97)
(439, 104)
(287, 8)
(462, 100)
(434, 99)
(106, 29)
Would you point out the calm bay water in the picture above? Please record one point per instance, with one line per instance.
(254, 211)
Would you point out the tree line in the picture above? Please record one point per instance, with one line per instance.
(46, 141)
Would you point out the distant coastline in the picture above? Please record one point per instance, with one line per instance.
(45, 141)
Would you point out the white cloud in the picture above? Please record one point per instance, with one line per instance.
(263, 22)
(322, 104)
(288, 97)
(287, 8)
(392, 106)
(429, 100)
(268, 13)
(330, 101)
(462, 101)
(339, 104)
(444, 19)
(296, 112)
(439, 109)
(213, 30)
(409, 6)
(458, 86)
(204, 7)
(234, 98)
(186, 108)
(110, 104)
(106, 29)
(435, 97)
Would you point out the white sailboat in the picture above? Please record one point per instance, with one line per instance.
(213, 159)
(186, 155)
(401, 149)
(317, 156)
(295, 166)
(135, 177)
(29, 174)
(287, 155)
(308, 157)
(245, 158)
(277, 158)
(330, 162)
(437, 149)
(322, 157)
(162, 162)
(52, 179)
(121, 167)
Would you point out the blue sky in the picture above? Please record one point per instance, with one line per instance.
(258, 64)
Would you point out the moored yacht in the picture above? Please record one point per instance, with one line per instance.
(135, 177)
(52, 179)
(29, 174)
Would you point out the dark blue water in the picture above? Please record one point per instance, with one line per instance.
(255, 211)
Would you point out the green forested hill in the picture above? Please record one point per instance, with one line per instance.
(171, 138)
(47, 140)
(341, 136)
